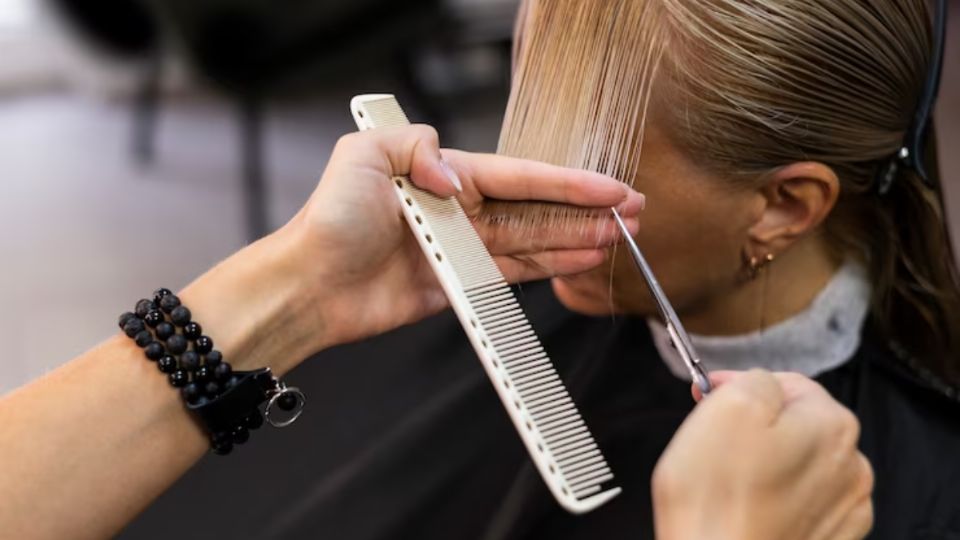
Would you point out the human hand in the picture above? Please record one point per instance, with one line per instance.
(764, 456)
(366, 264)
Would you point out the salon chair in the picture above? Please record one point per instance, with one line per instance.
(255, 50)
(127, 31)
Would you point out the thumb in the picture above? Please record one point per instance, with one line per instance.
(717, 379)
(414, 151)
(756, 389)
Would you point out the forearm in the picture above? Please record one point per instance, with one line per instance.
(90, 445)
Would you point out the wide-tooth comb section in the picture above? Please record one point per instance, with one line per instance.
(551, 427)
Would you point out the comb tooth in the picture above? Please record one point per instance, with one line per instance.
(581, 458)
(519, 368)
(521, 354)
(509, 308)
(504, 326)
(483, 288)
(495, 295)
(591, 477)
(537, 395)
(496, 311)
(522, 323)
(557, 412)
(482, 295)
(492, 325)
(574, 476)
(510, 335)
(547, 391)
(496, 321)
(520, 346)
(494, 308)
(524, 337)
(545, 399)
(586, 492)
(534, 382)
(477, 304)
(591, 459)
(567, 423)
(568, 440)
(561, 420)
(537, 375)
(573, 450)
(535, 357)
(576, 453)
(504, 342)
(566, 435)
(516, 364)
(536, 411)
(528, 353)
(572, 455)
(591, 481)
(491, 293)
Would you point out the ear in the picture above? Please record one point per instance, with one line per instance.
(797, 198)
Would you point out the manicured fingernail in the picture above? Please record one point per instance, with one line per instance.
(451, 175)
(634, 204)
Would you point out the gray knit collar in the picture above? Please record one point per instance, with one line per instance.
(818, 339)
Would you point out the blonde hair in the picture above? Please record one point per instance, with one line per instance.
(745, 87)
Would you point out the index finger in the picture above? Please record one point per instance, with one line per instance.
(794, 385)
(514, 179)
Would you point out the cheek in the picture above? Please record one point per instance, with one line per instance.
(693, 249)
(583, 294)
(689, 251)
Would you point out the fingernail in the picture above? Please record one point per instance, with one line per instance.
(634, 204)
(451, 175)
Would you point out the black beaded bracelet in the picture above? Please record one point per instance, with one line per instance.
(226, 401)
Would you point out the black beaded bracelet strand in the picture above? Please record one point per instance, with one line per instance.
(226, 401)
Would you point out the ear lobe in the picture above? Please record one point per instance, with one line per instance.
(799, 197)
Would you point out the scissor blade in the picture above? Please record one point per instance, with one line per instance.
(674, 327)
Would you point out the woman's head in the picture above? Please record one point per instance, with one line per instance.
(762, 125)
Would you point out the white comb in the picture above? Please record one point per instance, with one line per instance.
(531, 390)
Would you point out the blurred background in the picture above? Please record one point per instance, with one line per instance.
(142, 141)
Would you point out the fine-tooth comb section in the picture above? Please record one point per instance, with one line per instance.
(556, 436)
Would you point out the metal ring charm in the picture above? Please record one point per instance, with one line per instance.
(283, 389)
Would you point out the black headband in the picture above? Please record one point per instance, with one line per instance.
(911, 154)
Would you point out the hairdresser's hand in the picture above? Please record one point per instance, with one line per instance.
(764, 456)
(367, 264)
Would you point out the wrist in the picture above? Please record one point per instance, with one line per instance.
(261, 306)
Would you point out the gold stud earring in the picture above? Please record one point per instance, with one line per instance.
(755, 265)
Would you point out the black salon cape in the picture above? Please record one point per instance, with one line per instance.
(406, 439)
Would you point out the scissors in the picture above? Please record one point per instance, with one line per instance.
(679, 337)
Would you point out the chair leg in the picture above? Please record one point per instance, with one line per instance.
(254, 194)
(146, 105)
